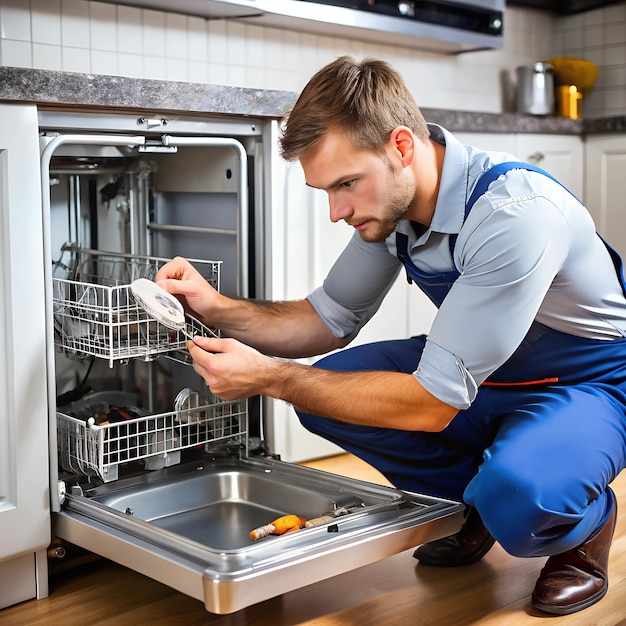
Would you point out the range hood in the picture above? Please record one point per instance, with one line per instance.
(445, 26)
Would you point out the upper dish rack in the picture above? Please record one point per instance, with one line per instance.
(95, 313)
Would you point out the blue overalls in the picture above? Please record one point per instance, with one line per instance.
(540, 444)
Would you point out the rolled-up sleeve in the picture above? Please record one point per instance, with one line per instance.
(444, 376)
(355, 286)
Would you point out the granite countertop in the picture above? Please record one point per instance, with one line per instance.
(467, 121)
(100, 92)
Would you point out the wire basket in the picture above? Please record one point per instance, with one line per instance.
(98, 449)
(95, 313)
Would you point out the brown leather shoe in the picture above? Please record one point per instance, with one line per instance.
(466, 547)
(578, 578)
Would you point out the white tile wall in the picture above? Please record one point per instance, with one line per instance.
(98, 37)
(102, 26)
(599, 36)
(129, 30)
(74, 18)
(46, 22)
(15, 21)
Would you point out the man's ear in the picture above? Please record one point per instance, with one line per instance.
(403, 140)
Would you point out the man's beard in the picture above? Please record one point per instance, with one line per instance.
(396, 209)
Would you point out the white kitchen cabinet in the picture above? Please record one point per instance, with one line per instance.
(605, 187)
(24, 485)
(560, 155)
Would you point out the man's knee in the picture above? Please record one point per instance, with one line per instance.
(526, 518)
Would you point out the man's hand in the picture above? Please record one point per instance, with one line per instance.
(184, 281)
(231, 369)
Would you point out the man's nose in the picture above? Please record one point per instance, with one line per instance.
(338, 210)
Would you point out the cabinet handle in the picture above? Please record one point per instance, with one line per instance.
(536, 157)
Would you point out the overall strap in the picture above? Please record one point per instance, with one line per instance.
(502, 168)
(493, 173)
(496, 171)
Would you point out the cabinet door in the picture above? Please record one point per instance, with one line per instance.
(605, 184)
(24, 488)
(560, 155)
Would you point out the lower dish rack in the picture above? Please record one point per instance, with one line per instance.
(93, 447)
(95, 313)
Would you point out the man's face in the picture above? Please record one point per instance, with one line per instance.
(368, 191)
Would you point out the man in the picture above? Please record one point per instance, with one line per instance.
(515, 402)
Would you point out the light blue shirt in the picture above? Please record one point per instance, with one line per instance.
(527, 251)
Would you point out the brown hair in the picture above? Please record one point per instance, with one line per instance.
(365, 100)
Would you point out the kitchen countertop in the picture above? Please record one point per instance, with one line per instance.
(98, 92)
(468, 121)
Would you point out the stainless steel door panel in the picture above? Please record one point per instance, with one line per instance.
(189, 527)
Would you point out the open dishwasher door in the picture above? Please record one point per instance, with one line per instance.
(189, 526)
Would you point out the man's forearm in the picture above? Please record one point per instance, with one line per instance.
(285, 329)
(380, 399)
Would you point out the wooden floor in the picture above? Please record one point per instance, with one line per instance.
(396, 591)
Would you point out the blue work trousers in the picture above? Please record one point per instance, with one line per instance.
(535, 461)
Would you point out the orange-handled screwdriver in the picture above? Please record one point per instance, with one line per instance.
(280, 526)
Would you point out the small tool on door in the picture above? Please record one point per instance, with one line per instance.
(281, 526)
(291, 523)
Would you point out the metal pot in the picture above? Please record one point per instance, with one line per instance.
(535, 89)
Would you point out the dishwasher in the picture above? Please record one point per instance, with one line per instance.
(150, 469)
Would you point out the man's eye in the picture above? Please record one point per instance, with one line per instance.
(348, 183)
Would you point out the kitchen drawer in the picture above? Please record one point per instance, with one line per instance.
(189, 526)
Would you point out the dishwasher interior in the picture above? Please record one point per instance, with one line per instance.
(154, 471)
